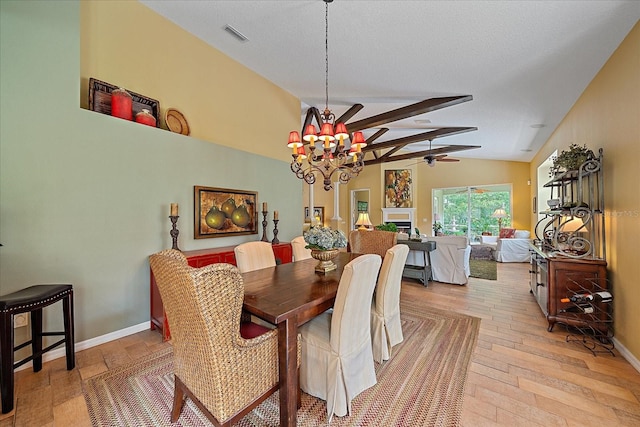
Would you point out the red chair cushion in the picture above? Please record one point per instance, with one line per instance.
(250, 330)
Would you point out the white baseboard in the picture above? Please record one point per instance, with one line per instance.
(60, 351)
(627, 354)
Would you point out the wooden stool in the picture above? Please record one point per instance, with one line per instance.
(32, 299)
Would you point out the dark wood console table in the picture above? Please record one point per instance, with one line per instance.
(200, 258)
(420, 272)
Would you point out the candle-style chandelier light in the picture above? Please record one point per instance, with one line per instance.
(331, 157)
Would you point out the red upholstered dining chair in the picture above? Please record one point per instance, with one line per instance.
(223, 373)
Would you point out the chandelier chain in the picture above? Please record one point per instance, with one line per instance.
(326, 56)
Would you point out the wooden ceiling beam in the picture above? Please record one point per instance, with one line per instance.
(349, 113)
(424, 136)
(412, 110)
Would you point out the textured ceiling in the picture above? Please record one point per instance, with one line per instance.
(524, 62)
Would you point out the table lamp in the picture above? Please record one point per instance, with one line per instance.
(499, 213)
(363, 221)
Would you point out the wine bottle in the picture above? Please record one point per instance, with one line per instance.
(585, 308)
(602, 296)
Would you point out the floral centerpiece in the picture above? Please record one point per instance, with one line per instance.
(324, 244)
(324, 239)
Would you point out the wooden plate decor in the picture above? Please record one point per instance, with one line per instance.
(176, 122)
(100, 100)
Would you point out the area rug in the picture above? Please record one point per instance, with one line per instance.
(483, 269)
(421, 385)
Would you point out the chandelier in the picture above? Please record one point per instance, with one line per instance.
(330, 155)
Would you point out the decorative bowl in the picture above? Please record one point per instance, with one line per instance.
(326, 263)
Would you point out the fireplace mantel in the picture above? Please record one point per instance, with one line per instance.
(404, 218)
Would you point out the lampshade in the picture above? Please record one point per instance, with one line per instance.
(310, 133)
(358, 140)
(294, 139)
(326, 135)
(572, 224)
(499, 213)
(363, 221)
(341, 132)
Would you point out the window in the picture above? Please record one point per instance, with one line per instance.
(467, 211)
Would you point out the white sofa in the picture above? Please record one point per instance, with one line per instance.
(449, 261)
(514, 249)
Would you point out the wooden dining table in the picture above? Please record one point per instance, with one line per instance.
(288, 295)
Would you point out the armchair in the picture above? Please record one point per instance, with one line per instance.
(224, 374)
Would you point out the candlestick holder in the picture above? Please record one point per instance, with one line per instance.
(275, 240)
(264, 226)
(174, 231)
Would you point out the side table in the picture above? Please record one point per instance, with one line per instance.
(420, 272)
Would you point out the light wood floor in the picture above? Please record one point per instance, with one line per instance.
(521, 375)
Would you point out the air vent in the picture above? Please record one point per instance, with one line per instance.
(235, 33)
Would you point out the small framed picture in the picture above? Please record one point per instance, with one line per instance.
(221, 212)
(318, 214)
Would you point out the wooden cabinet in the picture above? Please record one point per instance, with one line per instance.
(568, 256)
(556, 277)
(200, 258)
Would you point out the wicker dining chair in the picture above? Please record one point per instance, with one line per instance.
(386, 329)
(254, 256)
(372, 241)
(337, 360)
(225, 375)
(299, 251)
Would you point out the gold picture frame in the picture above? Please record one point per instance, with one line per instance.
(222, 212)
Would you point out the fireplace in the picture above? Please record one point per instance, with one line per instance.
(403, 218)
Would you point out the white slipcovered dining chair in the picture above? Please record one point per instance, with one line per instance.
(386, 329)
(254, 256)
(299, 251)
(337, 360)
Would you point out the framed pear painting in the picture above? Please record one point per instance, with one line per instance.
(221, 212)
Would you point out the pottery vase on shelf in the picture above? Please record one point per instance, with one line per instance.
(326, 263)
(121, 104)
(146, 118)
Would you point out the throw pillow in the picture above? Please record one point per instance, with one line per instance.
(522, 234)
(507, 233)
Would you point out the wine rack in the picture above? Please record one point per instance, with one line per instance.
(592, 326)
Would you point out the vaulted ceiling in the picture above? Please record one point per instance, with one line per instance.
(524, 62)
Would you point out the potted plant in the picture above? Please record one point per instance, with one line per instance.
(572, 158)
(387, 227)
(437, 229)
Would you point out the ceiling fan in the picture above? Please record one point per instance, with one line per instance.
(431, 159)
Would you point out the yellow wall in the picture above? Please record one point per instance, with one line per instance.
(607, 115)
(466, 172)
(127, 44)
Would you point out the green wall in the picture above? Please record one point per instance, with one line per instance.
(84, 197)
